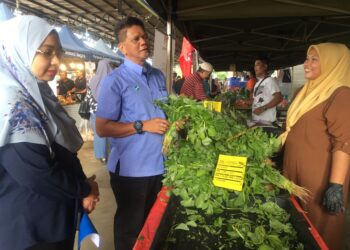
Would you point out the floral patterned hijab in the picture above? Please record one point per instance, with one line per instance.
(29, 112)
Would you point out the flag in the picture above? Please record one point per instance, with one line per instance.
(87, 230)
(185, 58)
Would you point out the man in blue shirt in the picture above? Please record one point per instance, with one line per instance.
(126, 113)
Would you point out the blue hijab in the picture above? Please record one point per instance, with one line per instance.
(104, 67)
(29, 112)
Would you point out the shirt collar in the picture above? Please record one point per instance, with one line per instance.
(137, 68)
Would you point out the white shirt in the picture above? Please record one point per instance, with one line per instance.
(263, 94)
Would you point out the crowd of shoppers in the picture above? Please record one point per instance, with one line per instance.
(43, 187)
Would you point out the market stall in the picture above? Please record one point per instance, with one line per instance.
(77, 58)
(155, 231)
(225, 191)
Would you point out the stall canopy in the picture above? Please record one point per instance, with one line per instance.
(102, 47)
(99, 17)
(74, 47)
(5, 12)
(237, 31)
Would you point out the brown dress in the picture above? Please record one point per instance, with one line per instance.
(308, 158)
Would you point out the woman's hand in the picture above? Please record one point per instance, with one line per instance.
(156, 126)
(89, 202)
(333, 199)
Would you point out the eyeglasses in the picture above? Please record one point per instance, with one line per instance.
(50, 53)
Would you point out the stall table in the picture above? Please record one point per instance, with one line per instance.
(160, 220)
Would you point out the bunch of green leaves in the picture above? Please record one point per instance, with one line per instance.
(227, 98)
(190, 167)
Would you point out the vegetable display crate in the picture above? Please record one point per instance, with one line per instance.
(162, 218)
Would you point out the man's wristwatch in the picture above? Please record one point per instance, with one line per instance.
(138, 126)
(264, 108)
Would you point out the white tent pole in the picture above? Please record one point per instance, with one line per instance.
(169, 49)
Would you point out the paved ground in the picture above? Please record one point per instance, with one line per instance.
(103, 216)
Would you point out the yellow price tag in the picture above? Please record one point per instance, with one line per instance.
(230, 172)
(211, 105)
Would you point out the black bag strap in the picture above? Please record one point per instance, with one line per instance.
(256, 89)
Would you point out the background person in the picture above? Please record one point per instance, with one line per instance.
(80, 85)
(42, 182)
(251, 82)
(173, 80)
(100, 143)
(193, 85)
(178, 84)
(266, 94)
(317, 139)
(215, 87)
(65, 85)
(127, 114)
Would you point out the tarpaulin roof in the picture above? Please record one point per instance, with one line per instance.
(102, 47)
(98, 17)
(74, 47)
(237, 31)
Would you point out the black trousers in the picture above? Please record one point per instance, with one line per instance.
(135, 197)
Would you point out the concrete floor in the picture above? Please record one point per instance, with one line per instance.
(103, 216)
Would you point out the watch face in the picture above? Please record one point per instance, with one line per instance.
(138, 126)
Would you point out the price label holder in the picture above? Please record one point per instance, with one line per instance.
(230, 171)
(211, 105)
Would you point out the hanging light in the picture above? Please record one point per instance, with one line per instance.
(80, 66)
(63, 67)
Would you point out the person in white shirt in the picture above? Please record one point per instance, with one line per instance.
(266, 94)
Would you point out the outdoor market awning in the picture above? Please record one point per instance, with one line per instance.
(237, 31)
(102, 47)
(74, 47)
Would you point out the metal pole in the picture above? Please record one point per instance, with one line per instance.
(169, 65)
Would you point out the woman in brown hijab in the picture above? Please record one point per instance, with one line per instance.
(317, 139)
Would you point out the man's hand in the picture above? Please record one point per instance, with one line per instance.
(180, 124)
(89, 202)
(333, 199)
(156, 126)
(259, 110)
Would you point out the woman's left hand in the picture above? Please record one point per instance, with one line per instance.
(333, 199)
(89, 202)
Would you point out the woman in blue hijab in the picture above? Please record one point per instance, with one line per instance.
(42, 182)
(104, 67)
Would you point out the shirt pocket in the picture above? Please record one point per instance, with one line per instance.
(163, 93)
